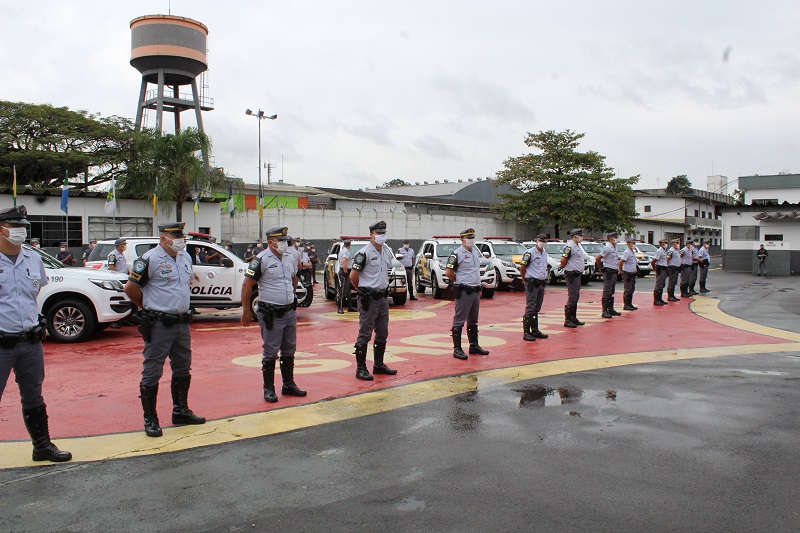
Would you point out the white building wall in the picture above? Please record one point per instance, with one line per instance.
(327, 224)
(95, 207)
(661, 207)
(781, 195)
(789, 229)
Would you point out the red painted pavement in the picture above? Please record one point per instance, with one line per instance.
(92, 388)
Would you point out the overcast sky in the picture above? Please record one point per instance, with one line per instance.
(367, 91)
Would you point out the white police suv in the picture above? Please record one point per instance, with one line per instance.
(429, 267)
(220, 280)
(77, 302)
(505, 254)
(330, 282)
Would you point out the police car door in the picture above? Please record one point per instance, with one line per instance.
(215, 287)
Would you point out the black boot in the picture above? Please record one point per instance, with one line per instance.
(535, 327)
(287, 374)
(268, 373)
(474, 347)
(575, 314)
(43, 450)
(661, 297)
(149, 395)
(339, 305)
(606, 307)
(181, 414)
(568, 323)
(458, 353)
(692, 292)
(361, 363)
(611, 309)
(378, 367)
(703, 288)
(684, 290)
(527, 334)
(671, 295)
(657, 298)
(627, 303)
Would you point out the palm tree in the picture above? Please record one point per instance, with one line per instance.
(175, 161)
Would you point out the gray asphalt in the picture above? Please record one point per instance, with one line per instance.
(700, 445)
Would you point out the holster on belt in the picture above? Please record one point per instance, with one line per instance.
(570, 275)
(457, 291)
(145, 327)
(366, 296)
(533, 282)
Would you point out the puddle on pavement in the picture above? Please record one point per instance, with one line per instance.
(537, 396)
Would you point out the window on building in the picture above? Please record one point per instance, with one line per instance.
(745, 233)
(109, 228)
(648, 208)
(773, 237)
(702, 214)
(696, 213)
(651, 237)
(204, 229)
(765, 201)
(52, 230)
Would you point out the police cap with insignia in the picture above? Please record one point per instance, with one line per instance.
(576, 231)
(541, 237)
(468, 233)
(346, 242)
(630, 239)
(174, 228)
(378, 227)
(663, 241)
(675, 240)
(35, 239)
(15, 215)
(281, 234)
(63, 244)
(121, 240)
(611, 235)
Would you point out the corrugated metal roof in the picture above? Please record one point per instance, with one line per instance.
(350, 194)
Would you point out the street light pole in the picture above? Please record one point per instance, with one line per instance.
(260, 116)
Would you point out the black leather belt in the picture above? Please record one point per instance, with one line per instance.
(610, 270)
(10, 340)
(167, 318)
(276, 310)
(375, 294)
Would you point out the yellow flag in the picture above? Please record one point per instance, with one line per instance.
(15, 185)
(155, 199)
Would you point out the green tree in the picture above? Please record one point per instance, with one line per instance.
(560, 185)
(44, 142)
(397, 182)
(176, 160)
(679, 185)
(738, 197)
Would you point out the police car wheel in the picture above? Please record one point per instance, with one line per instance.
(70, 321)
(418, 283)
(254, 307)
(551, 277)
(399, 298)
(487, 293)
(327, 288)
(437, 292)
(309, 297)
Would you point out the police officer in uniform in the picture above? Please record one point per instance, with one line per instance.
(22, 275)
(673, 268)
(88, 251)
(276, 274)
(116, 259)
(607, 260)
(687, 259)
(36, 243)
(248, 254)
(659, 264)
(572, 261)
(345, 261)
(627, 263)
(159, 284)
(65, 256)
(406, 257)
(703, 261)
(693, 271)
(464, 272)
(370, 276)
(533, 269)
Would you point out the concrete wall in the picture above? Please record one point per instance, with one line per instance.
(322, 225)
(781, 195)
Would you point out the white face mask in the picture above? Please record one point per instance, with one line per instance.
(178, 245)
(17, 236)
(405, 246)
(469, 243)
(281, 246)
(380, 239)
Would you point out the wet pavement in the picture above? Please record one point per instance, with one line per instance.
(654, 421)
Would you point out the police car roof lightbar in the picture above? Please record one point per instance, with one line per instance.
(202, 236)
(504, 237)
(447, 236)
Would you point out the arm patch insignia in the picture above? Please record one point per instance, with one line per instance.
(112, 259)
(139, 274)
(359, 261)
(253, 269)
(452, 262)
(567, 252)
(526, 259)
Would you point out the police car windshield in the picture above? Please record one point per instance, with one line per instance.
(554, 248)
(444, 250)
(47, 259)
(592, 247)
(508, 248)
(100, 251)
(647, 248)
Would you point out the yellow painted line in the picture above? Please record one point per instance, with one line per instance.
(103, 447)
(440, 304)
(708, 307)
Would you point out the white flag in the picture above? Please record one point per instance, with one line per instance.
(111, 198)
